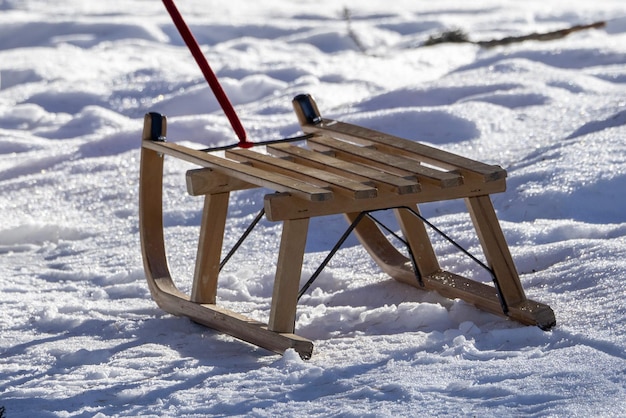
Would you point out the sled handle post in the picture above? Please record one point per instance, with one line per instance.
(306, 110)
(156, 127)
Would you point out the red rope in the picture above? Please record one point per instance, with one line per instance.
(209, 75)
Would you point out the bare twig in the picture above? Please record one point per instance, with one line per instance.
(547, 36)
(459, 36)
(347, 16)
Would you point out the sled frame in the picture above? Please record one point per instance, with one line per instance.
(345, 169)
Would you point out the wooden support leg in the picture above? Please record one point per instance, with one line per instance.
(415, 233)
(496, 249)
(204, 289)
(288, 270)
(499, 258)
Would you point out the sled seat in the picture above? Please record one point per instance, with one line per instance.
(344, 169)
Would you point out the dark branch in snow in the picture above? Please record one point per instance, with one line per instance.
(347, 16)
(458, 36)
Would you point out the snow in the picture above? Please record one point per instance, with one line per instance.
(81, 336)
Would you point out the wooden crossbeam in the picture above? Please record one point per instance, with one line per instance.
(202, 181)
(281, 206)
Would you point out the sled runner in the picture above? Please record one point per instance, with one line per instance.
(344, 169)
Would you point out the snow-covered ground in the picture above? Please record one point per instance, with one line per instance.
(80, 334)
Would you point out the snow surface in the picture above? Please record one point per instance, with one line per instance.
(80, 335)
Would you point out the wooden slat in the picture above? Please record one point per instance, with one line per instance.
(381, 180)
(396, 145)
(390, 163)
(311, 175)
(243, 172)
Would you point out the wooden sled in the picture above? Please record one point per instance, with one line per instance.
(346, 169)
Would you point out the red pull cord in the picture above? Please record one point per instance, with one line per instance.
(209, 75)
